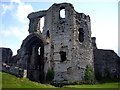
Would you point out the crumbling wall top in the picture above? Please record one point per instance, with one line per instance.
(37, 14)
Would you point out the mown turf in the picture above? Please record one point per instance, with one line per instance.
(11, 81)
(103, 85)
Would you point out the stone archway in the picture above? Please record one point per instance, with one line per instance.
(34, 50)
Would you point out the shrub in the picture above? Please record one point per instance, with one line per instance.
(50, 75)
(89, 75)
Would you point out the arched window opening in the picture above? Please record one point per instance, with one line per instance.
(81, 34)
(42, 23)
(62, 56)
(39, 50)
(62, 13)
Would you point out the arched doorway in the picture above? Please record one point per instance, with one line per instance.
(34, 50)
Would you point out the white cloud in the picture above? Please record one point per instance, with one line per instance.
(19, 11)
(17, 1)
(12, 37)
(4, 8)
(22, 12)
(14, 31)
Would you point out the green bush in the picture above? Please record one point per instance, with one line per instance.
(89, 75)
(50, 75)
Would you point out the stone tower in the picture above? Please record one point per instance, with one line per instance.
(65, 43)
(68, 48)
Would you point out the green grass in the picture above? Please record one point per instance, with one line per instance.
(11, 81)
(103, 85)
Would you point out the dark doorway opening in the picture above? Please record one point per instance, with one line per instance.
(34, 48)
(63, 56)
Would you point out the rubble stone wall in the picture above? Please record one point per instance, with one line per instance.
(6, 55)
(107, 64)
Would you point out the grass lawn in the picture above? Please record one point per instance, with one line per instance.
(11, 81)
(103, 85)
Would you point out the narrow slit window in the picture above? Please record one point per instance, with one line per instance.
(39, 50)
(48, 34)
(47, 37)
(81, 34)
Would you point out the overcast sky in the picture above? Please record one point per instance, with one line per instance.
(14, 22)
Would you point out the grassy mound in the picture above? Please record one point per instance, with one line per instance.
(11, 81)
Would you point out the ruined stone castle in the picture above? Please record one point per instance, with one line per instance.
(65, 46)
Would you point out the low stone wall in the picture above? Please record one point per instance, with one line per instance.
(106, 64)
(13, 70)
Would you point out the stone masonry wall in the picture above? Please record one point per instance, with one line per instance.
(63, 39)
(107, 64)
(6, 55)
(7, 63)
